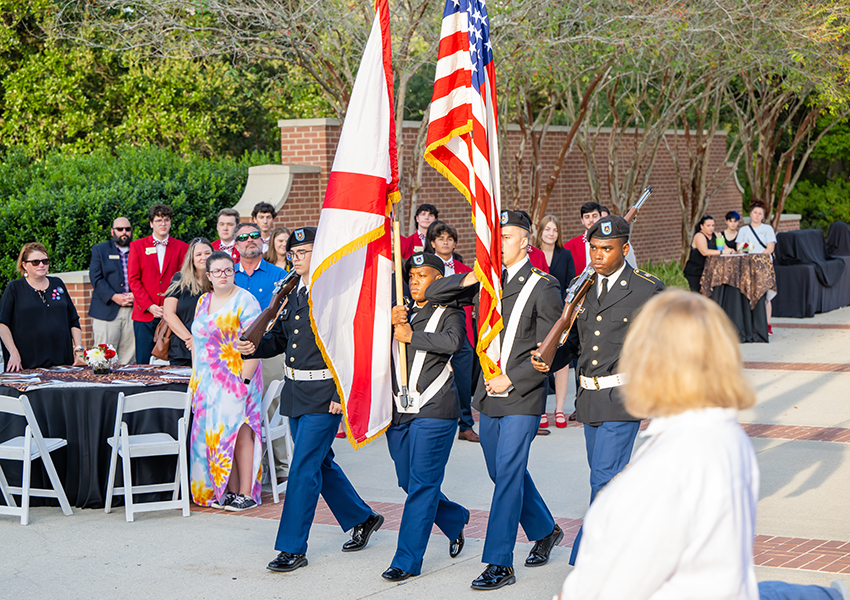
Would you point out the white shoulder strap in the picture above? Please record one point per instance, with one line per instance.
(419, 400)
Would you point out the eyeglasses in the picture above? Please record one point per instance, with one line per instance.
(39, 261)
(243, 237)
(123, 228)
(298, 254)
(222, 272)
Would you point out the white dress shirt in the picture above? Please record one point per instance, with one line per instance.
(514, 268)
(612, 279)
(160, 252)
(679, 521)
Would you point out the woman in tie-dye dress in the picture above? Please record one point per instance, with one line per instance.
(226, 438)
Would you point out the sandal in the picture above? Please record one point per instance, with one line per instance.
(544, 421)
(560, 420)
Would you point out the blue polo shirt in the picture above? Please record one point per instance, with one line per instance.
(261, 282)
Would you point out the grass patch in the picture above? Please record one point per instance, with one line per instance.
(669, 272)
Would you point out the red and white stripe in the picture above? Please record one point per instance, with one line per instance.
(351, 266)
(462, 144)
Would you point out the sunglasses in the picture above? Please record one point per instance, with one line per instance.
(123, 228)
(243, 237)
(39, 261)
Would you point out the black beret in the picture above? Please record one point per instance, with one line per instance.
(301, 236)
(422, 259)
(513, 218)
(609, 228)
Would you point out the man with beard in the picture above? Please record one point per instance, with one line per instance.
(111, 308)
(253, 273)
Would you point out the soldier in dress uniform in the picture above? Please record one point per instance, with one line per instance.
(596, 339)
(511, 403)
(310, 400)
(422, 432)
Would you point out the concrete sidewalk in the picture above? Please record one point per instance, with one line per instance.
(803, 508)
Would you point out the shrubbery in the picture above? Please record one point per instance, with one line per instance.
(68, 201)
(820, 205)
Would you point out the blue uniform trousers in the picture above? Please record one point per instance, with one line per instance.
(420, 450)
(462, 368)
(779, 590)
(516, 501)
(313, 472)
(609, 448)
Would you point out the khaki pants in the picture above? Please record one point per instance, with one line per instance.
(118, 333)
(273, 369)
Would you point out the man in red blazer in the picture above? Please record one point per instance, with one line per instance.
(425, 215)
(228, 219)
(591, 212)
(152, 263)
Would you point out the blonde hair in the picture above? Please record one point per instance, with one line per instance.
(24, 255)
(189, 275)
(538, 238)
(681, 353)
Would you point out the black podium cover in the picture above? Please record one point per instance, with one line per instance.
(838, 239)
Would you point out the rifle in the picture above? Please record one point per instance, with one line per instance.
(576, 293)
(404, 393)
(266, 320)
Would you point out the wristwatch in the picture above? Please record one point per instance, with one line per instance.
(79, 349)
(246, 381)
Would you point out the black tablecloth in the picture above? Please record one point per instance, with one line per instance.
(801, 295)
(807, 247)
(751, 323)
(838, 239)
(86, 418)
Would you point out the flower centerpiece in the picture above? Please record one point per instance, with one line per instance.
(101, 358)
(746, 248)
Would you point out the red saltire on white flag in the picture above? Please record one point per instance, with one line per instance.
(351, 267)
(462, 144)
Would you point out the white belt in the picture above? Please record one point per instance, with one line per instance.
(602, 383)
(299, 375)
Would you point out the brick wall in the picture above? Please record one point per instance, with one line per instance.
(80, 290)
(656, 235)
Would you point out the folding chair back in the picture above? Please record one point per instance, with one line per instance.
(273, 429)
(149, 444)
(32, 445)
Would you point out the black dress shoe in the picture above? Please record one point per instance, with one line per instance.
(456, 545)
(396, 574)
(539, 554)
(494, 577)
(286, 562)
(361, 533)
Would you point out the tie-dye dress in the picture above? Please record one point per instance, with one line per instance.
(221, 402)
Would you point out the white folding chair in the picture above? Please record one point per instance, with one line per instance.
(273, 430)
(21, 448)
(149, 444)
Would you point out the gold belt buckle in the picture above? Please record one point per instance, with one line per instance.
(596, 383)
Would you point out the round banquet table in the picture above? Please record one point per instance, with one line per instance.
(739, 284)
(85, 416)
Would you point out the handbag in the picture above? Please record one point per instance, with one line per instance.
(162, 340)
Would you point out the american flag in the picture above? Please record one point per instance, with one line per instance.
(462, 144)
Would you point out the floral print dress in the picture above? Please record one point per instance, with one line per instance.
(221, 402)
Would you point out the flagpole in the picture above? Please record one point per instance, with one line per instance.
(404, 396)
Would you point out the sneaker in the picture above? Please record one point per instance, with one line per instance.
(241, 503)
(226, 499)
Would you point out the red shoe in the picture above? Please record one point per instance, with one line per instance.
(770, 330)
(340, 434)
(560, 420)
(544, 421)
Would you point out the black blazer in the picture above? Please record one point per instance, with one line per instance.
(539, 315)
(293, 335)
(439, 347)
(563, 268)
(107, 279)
(596, 339)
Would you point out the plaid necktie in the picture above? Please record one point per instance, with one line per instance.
(157, 242)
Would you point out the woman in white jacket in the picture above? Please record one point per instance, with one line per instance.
(679, 522)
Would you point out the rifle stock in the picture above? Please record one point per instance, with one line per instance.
(263, 323)
(575, 297)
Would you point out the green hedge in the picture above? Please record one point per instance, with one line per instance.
(68, 201)
(820, 205)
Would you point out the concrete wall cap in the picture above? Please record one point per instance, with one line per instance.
(288, 123)
(73, 277)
